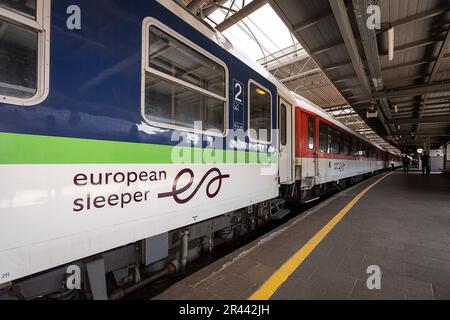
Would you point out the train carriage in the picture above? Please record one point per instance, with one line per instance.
(134, 138)
(330, 155)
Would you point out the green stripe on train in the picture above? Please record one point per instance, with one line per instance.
(33, 149)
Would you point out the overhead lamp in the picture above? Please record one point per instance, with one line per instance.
(391, 43)
(372, 113)
(260, 91)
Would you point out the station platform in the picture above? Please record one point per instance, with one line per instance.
(398, 222)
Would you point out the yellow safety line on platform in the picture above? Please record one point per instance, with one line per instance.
(268, 289)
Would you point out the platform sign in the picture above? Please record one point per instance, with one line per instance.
(238, 105)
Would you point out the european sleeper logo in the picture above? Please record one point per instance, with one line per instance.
(177, 192)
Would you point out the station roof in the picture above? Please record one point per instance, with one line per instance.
(411, 92)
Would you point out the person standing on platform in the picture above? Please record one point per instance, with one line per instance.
(406, 162)
(393, 164)
(426, 164)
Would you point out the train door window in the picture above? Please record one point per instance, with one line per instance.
(311, 133)
(330, 140)
(260, 113)
(283, 122)
(24, 51)
(323, 137)
(184, 86)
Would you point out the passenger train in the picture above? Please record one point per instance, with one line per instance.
(135, 138)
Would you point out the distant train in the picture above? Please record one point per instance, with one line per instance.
(330, 155)
(134, 138)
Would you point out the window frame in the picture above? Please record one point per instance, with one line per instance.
(145, 69)
(41, 25)
(251, 81)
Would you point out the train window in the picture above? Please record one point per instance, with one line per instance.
(283, 122)
(24, 51)
(311, 133)
(336, 141)
(24, 7)
(362, 149)
(172, 104)
(354, 146)
(176, 59)
(366, 150)
(346, 145)
(260, 113)
(20, 68)
(323, 137)
(184, 86)
(358, 148)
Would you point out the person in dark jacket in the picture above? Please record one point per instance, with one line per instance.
(426, 164)
(406, 162)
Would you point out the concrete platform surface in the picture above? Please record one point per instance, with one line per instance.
(402, 225)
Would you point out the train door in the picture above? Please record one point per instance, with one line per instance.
(286, 162)
(310, 163)
(313, 142)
